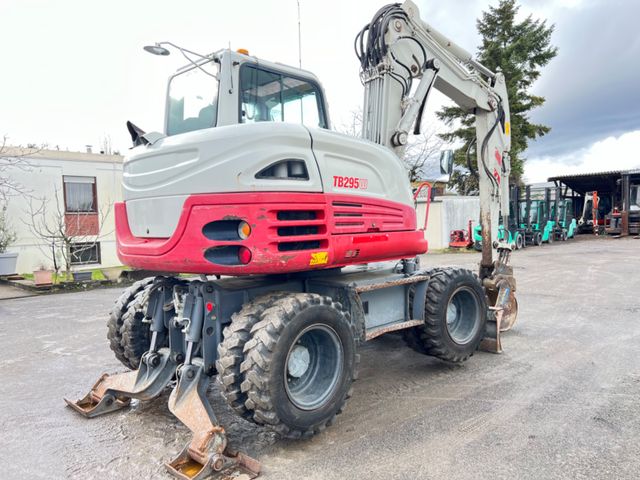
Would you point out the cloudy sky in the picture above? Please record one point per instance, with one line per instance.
(74, 70)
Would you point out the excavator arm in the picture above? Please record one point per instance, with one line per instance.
(402, 60)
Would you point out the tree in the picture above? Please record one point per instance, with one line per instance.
(421, 149)
(59, 231)
(519, 50)
(12, 159)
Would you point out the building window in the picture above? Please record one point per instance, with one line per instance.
(84, 253)
(80, 194)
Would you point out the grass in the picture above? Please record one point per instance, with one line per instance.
(96, 274)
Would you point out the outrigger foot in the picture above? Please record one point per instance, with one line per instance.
(207, 454)
(113, 392)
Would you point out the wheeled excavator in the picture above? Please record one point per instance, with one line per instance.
(305, 240)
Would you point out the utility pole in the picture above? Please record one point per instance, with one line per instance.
(299, 37)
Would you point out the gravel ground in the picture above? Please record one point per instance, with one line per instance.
(563, 401)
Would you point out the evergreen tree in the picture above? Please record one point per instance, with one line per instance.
(519, 50)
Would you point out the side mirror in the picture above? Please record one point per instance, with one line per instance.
(446, 162)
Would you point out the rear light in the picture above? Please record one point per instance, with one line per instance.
(244, 255)
(244, 230)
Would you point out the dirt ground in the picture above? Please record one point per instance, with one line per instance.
(562, 401)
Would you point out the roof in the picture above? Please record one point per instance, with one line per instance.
(43, 154)
(604, 182)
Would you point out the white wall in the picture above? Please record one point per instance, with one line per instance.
(446, 214)
(40, 178)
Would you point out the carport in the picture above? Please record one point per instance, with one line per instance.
(615, 189)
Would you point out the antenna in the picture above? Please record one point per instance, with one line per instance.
(299, 37)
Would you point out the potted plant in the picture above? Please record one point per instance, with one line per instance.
(8, 260)
(43, 276)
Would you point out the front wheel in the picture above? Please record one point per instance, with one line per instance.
(300, 364)
(455, 315)
(519, 241)
(537, 239)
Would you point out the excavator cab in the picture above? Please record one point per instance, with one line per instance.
(202, 94)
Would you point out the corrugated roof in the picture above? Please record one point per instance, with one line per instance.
(582, 175)
(600, 181)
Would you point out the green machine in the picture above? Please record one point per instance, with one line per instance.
(565, 224)
(535, 219)
(515, 234)
(548, 225)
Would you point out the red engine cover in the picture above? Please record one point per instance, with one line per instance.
(290, 232)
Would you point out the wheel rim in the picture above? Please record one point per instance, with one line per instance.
(519, 242)
(463, 315)
(313, 367)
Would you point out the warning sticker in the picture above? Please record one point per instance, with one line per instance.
(319, 258)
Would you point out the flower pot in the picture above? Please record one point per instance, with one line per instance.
(8, 263)
(43, 277)
(82, 276)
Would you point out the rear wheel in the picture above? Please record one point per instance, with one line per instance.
(300, 364)
(455, 316)
(116, 320)
(231, 351)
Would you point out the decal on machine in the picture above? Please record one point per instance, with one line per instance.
(319, 258)
(341, 181)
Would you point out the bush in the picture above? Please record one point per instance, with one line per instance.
(7, 234)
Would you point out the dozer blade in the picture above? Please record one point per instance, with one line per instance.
(207, 455)
(113, 392)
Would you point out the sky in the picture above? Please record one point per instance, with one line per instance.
(74, 70)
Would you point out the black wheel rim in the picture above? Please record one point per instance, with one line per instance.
(463, 315)
(313, 367)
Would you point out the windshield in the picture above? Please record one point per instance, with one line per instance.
(193, 99)
(268, 96)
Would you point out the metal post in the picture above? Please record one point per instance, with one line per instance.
(626, 206)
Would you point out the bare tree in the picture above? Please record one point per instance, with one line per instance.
(12, 159)
(421, 150)
(353, 127)
(63, 234)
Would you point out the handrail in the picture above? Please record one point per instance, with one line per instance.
(415, 199)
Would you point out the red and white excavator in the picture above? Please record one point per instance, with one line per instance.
(313, 232)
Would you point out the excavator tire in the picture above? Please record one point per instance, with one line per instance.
(455, 316)
(413, 336)
(115, 321)
(231, 351)
(300, 364)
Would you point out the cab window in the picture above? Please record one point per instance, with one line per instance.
(268, 96)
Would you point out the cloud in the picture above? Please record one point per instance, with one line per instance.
(612, 153)
(591, 86)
